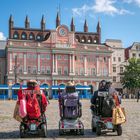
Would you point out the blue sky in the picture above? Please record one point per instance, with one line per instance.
(120, 19)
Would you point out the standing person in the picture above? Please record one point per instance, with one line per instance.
(138, 96)
(46, 94)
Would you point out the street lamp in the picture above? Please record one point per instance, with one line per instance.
(15, 69)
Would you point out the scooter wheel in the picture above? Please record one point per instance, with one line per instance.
(61, 132)
(93, 127)
(44, 128)
(98, 130)
(82, 132)
(119, 130)
(22, 134)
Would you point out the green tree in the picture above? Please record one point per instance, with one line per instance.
(131, 75)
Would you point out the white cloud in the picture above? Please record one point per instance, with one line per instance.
(2, 37)
(101, 6)
(81, 11)
(137, 2)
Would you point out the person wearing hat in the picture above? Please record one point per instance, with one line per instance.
(33, 91)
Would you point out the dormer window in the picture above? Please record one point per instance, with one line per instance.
(16, 35)
(95, 41)
(23, 36)
(38, 37)
(31, 36)
(89, 40)
(83, 40)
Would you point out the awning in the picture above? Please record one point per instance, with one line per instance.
(77, 87)
(80, 87)
(4, 87)
(18, 87)
(44, 87)
(58, 87)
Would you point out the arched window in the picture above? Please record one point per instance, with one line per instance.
(77, 38)
(83, 40)
(31, 36)
(47, 36)
(15, 35)
(89, 39)
(95, 40)
(23, 36)
(39, 37)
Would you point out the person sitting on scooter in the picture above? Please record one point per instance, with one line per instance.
(102, 87)
(36, 101)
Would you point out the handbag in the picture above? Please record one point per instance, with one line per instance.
(118, 116)
(22, 108)
(16, 115)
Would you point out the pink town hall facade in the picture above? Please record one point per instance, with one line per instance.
(54, 57)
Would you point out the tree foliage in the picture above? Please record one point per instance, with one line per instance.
(131, 75)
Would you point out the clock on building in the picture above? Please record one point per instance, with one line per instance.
(62, 32)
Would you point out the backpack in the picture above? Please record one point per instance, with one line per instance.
(107, 106)
(71, 108)
(33, 104)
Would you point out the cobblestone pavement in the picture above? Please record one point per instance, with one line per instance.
(9, 128)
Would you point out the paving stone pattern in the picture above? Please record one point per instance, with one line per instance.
(9, 128)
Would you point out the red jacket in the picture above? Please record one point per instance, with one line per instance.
(32, 105)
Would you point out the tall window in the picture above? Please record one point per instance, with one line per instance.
(114, 78)
(42, 69)
(48, 56)
(20, 69)
(76, 71)
(29, 69)
(20, 55)
(133, 55)
(81, 58)
(119, 59)
(81, 71)
(121, 69)
(114, 59)
(65, 70)
(121, 78)
(114, 69)
(59, 71)
(48, 68)
(105, 59)
(93, 71)
(105, 72)
(65, 57)
(42, 56)
(89, 71)
(59, 57)
(34, 70)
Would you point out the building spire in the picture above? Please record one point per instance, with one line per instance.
(72, 25)
(98, 28)
(85, 26)
(11, 21)
(27, 22)
(11, 25)
(43, 23)
(57, 20)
